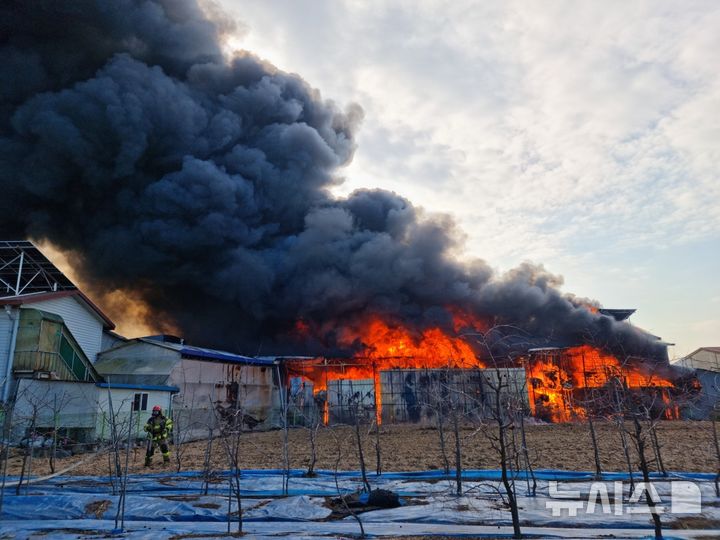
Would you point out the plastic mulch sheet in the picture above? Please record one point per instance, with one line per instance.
(184, 503)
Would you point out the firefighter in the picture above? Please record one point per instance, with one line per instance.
(158, 428)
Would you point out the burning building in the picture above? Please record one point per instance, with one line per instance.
(199, 186)
(568, 384)
(398, 374)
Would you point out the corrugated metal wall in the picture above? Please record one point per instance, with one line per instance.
(414, 395)
(69, 405)
(82, 407)
(348, 398)
(419, 395)
(209, 391)
(84, 325)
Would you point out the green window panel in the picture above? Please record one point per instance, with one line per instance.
(72, 359)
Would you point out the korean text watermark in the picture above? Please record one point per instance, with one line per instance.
(683, 497)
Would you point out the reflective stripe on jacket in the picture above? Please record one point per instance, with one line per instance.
(158, 427)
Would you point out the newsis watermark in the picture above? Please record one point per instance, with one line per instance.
(608, 498)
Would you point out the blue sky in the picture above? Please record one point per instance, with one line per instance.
(583, 136)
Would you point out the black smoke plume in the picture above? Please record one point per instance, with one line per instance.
(200, 183)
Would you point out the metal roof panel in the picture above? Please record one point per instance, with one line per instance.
(189, 351)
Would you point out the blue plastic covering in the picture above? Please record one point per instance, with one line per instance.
(156, 500)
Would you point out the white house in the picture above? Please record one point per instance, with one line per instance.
(58, 347)
(50, 337)
(131, 403)
(49, 329)
(707, 358)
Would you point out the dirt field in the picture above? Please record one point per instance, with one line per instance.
(686, 446)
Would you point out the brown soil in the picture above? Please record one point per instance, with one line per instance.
(97, 508)
(686, 446)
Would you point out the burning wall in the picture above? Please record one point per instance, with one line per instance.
(399, 374)
(568, 384)
(405, 395)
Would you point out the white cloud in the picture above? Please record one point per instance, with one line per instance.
(574, 133)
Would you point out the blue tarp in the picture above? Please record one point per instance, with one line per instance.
(155, 501)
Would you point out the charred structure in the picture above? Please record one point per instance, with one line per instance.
(407, 375)
(198, 185)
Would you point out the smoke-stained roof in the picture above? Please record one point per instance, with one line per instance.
(183, 350)
(200, 353)
(617, 314)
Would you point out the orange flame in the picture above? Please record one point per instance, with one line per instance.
(559, 380)
(384, 346)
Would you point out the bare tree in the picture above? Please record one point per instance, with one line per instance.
(53, 453)
(37, 403)
(30, 446)
(455, 414)
(341, 495)
(437, 403)
(448, 400)
(314, 421)
(520, 412)
(207, 461)
(183, 428)
(717, 453)
(378, 451)
(502, 408)
(618, 403)
(286, 399)
(440, 420)
(640, 440)
(594, 400)
(354, 405)
(304, 409)
(59, 403)
(503, 423)
(120, 514)
(637, 407)
(231, 443)
(596, 450)
(653, 416)
(114, 455)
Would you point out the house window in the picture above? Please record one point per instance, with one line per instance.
(140, 402)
